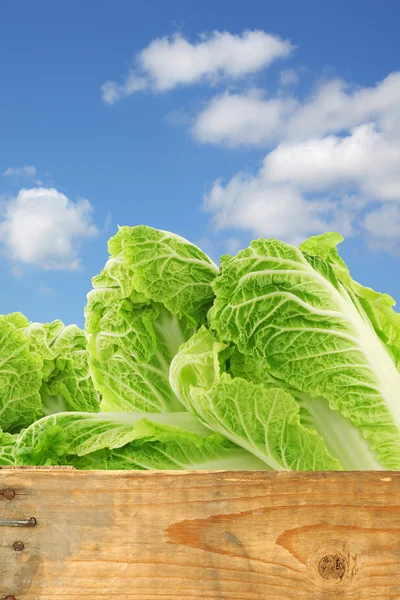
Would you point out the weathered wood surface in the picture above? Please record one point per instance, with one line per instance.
(209, 536)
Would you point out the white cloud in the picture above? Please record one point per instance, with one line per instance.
(27, 171)
(309, 187)
(365, 159)
(333, 157)
(334, 106)
(256, 205)
(236, 119)
(333, 164)
(43, 228)
(288, 77)
(172, 61)
(111, 91)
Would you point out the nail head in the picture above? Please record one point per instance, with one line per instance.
(18, 546)
(9, 495)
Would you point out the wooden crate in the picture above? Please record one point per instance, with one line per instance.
(199, 535)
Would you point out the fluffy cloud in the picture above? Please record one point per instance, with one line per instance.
(303, 188)
(172, 61)
(333, 162)
(256, 205)
(333, 156)
(334, 106)
(27, 171)
(43, 228)
(111, 91)
(241, 119)
(365, 159)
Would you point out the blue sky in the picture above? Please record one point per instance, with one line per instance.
(234, 134)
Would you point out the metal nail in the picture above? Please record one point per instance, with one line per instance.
(18, 522)
(9, 494)
(18, 546)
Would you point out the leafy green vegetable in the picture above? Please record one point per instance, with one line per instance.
(211, 453)
(43, 369)
(167, 269)
(264, 421)
(152, 294)
(302, 314)
(377, 306)
(66, 381)
(51, 438)
(127, 440)
(343, 441)
(7, 442)
(20, 375)
(279, 360)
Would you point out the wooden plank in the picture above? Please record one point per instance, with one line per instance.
(210, 536)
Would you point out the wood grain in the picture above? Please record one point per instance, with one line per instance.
(211, 536)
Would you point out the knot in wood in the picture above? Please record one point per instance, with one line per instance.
(332, 566)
